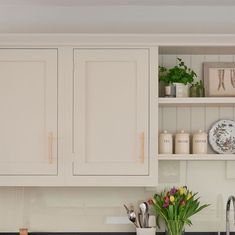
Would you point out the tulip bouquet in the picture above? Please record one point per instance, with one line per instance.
(175, 207)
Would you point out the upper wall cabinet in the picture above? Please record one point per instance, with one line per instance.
(28, 88)
(110, 118)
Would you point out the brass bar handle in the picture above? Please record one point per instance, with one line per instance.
(50, 147)
(142, 147)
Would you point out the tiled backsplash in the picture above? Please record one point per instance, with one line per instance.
(65, 209)
(87, 209)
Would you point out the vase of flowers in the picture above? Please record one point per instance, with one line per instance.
(174, 227)
(175, 207)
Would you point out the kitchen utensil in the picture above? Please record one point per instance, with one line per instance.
(222, 137)
(140, 220)
(143, 215)
(131, 216)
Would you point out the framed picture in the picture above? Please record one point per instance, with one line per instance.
(219, 79)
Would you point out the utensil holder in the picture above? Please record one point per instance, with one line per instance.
(23, 231)
(145, 231)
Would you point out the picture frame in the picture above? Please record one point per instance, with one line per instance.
(219, 79)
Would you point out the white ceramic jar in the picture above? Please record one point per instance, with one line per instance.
(165, 143)
(182, 143)
(200, 142)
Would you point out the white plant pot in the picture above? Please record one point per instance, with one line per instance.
(181, 90)
(168, 90)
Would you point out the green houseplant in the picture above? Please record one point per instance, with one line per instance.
(175, 207)
(179, 74)
(197, 89)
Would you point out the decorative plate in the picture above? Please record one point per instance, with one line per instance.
(222, 137)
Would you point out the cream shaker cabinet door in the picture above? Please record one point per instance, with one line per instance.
(110, 118)
(28, 120)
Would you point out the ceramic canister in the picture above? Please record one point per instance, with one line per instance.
(200, 142)
(182, 143)
(145, 231)
(165, 143)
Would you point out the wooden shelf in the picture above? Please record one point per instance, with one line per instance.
(196, 157)
(196, 101)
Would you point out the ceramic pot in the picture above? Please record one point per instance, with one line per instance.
(145, 231)
(181, 90)
(170, 91)
(196, 91)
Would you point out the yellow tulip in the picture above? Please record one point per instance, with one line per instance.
(182, 190)
(189, 196)
(172, 198)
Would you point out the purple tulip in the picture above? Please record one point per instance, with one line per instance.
(165, 205)
(173, 191)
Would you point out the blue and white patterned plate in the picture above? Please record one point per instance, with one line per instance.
(222, 137)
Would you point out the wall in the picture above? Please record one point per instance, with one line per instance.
(66, 209)
(174, 16)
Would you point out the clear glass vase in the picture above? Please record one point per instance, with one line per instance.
(174, 227)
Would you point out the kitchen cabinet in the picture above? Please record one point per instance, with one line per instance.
(111, 112)
(28, 88)
(99, 94)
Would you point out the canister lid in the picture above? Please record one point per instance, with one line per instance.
(200, 133)
(182, 134)
(165, 133)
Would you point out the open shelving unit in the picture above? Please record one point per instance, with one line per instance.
(194, 113)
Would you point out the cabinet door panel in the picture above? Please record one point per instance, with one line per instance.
(111, 111)
(28, 88)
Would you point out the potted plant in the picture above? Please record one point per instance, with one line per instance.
(197, 89)
(180, 76)
(167, 83)
(175, 207)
